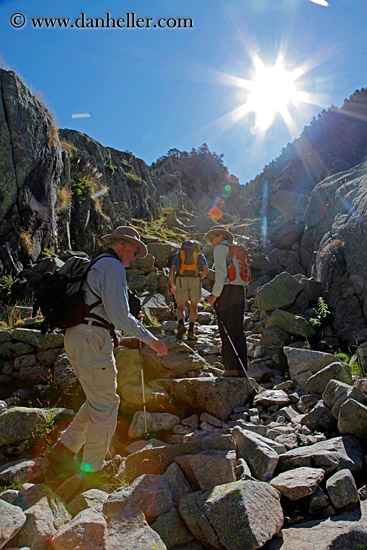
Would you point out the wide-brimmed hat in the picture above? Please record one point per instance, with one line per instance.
(129, 235)
(219, 230)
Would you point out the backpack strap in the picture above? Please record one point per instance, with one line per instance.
(97, 319)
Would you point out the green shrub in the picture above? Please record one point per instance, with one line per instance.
(82, 188)
(133, 179)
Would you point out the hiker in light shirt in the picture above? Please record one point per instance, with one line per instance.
(228, 300)
(90, 351)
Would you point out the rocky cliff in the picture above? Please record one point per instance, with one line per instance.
(31, 167)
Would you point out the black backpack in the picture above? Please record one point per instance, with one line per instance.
(60, 296)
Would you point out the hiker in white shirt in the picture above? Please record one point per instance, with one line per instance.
(228, 300)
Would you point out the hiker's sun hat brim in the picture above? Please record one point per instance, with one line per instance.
(127, 234)
(219, 230)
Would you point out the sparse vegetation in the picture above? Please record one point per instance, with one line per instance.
(69, 147)
(53, 133)
(25, 241)
(108, 164)
(98, 201)
(355, 368)
(64, 199)
(157, 228)
(133, 178)
(322, 312)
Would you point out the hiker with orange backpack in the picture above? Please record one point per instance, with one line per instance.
(232, 275)
(189, 268)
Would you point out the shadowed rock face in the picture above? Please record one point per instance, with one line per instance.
(336, 220)
(31, 166)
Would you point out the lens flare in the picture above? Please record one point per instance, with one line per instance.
(215, 213)
(227, 190)
(264, 211)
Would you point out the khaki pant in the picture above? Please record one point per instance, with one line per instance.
(188, 289)
(90, 352)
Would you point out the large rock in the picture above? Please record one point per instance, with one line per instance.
(208, 468)
(162, 252)
(25, 470)
(217, 396)
(45, 515)
(179, 360)
(342, 489)
(303, 363)
(22, 423)
(335, 371)
(154, 307)
(127, 528)
(156, 460)
(37, 339)
(12, 520)
(346, 531)
(293, 324)
(228, 515)
(93, 498)
(319, 418)
(178, 483)
(278, 293)
(336, 393)
(151, 493)
(172, 530)
(156, 422)
(353, 419)
(261, 457)
(268, 398)
(11, 350)
(292, 205)
(298, 483)
(87, 530)
(331, 455)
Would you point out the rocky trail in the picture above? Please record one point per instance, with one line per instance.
(221, 467)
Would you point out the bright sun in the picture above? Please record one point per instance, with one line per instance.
(272, 91)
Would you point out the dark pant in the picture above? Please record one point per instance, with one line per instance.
(230, 306)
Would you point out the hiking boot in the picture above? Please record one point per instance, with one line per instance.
(60, 462)
(79, 483)
(191, 335)
(180, 332)
(234, 373)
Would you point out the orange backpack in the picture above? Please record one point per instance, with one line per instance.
(239, 269)
(188, 259)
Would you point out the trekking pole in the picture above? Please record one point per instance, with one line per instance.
(238, 357)
(143, 390)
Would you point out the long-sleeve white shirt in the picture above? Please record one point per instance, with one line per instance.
(220, 262)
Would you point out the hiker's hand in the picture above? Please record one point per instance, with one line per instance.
(159, 347)
(173, 289)
(211, 299)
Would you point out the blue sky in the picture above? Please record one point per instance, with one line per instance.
(149, 89)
